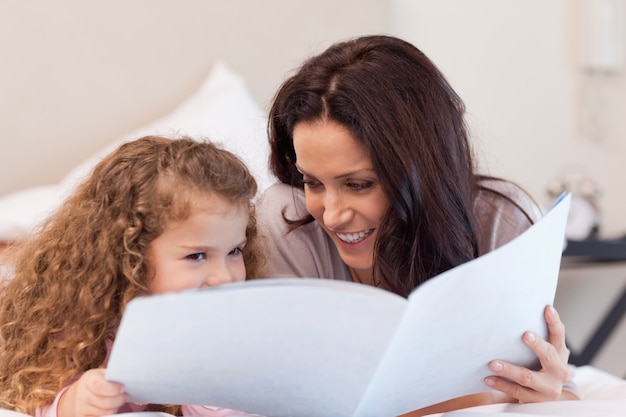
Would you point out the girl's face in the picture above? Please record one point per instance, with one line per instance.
(201, 251)
(342, 190)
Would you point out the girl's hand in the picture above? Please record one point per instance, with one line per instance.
(528, 386)
(92, 396)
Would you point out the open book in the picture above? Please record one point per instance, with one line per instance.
(311, 347)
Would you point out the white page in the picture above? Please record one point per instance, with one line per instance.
(468, 316)
(304, 346)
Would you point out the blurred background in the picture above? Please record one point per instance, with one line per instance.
(544, 81)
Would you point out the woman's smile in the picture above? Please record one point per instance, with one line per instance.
(354, 237)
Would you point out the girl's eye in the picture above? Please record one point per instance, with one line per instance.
(196, 256)
(360, 186)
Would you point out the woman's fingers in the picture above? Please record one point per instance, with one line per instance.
(527, 385)
(556, 332)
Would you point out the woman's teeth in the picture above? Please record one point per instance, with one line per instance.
(354, 237)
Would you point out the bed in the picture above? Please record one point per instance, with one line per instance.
(223, 110)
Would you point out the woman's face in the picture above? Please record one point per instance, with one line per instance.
(203, 250)
(343, 192)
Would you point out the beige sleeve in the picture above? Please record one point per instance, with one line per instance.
(303, 252)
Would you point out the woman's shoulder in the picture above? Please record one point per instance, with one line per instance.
(279, 197)
(304, 251)
(506, 196)
(503, 210)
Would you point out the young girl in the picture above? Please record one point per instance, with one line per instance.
(156, 215)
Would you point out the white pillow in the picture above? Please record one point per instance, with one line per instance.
(222, 110)
(23, 209)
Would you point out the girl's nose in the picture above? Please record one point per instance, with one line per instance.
(218, 275)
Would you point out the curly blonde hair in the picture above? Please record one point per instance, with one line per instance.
(75, 275)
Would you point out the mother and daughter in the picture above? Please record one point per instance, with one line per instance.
(376, 185)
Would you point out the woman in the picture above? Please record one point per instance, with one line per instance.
(375, 136)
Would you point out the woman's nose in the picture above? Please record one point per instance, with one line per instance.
(336, 211)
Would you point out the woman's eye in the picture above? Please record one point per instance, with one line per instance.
(236, 251)
(360, 186)
(311, 183)
(196, 256)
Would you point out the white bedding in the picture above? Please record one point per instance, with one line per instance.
(595, 384)
(222, 110)
(583, 408)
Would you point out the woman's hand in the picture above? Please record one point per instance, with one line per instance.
(92, 396)
(528, 386)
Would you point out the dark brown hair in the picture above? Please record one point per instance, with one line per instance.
(400, 107)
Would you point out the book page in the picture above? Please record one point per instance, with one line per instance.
(277, 347)
(459, 321)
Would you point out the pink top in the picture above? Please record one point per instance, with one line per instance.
(188, 410)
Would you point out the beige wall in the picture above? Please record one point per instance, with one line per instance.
(76, 74)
